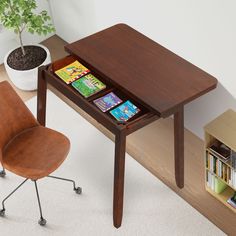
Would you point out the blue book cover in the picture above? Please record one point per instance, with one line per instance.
(125, 111)
(108, 101)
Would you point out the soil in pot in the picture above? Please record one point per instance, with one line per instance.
(34, 57)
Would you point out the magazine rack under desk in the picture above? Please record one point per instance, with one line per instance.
(144, 117)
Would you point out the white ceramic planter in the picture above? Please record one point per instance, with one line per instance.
(25, 79)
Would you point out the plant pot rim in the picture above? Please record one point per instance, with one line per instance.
(37, 45)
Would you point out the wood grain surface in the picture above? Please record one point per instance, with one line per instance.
(155, 75)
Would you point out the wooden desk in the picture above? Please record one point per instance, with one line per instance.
(136, 68)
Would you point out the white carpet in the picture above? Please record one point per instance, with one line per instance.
(150, 207)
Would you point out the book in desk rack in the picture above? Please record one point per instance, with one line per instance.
(72, 72)
(88, 85)
(107, 102)
(125, 111)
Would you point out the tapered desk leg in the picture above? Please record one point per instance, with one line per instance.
(179, 147)
(41, 97)
(120, 143)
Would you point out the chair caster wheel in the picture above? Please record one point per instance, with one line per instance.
(2, 173)
(42, 222)
(78, 190)
(2, 212)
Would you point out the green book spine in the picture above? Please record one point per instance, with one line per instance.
(219, 185)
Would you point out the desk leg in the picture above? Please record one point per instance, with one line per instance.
(41, 96)
(179, 147)
(120, 143)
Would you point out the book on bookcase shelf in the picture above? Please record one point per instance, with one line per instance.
(222, 170)
(107, 102)
(215, 183)
(125, 111)
(72, 72)
(232, 201)
(233, 159)
(88, 85)
(221, 150)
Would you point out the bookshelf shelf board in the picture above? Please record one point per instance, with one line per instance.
(224, 196)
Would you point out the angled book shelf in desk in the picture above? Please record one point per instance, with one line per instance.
(144, 117)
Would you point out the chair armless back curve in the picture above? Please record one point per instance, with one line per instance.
(14, 115)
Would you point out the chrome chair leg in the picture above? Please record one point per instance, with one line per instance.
(78, 190)
(2, 211)
(41, 221)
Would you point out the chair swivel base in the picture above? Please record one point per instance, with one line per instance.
(41, 221)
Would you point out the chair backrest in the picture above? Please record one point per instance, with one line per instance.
(14, 115)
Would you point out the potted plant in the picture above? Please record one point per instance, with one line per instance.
(22, 63)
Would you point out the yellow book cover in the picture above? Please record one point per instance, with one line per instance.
(72, 72)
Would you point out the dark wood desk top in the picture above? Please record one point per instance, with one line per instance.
(157, 77)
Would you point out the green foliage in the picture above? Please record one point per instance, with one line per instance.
(19, 15)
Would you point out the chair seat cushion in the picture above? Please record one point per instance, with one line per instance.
(35, 152)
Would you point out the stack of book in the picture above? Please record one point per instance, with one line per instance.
(87, 85)
(81, 79)
(121, 113)
(220, 150)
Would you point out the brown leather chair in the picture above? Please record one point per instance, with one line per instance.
(27, 148)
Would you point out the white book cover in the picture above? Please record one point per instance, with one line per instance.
(220, 169)
(234, 181)
(213, 182)
(230, 178)
(208, 179)
(211, 162)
